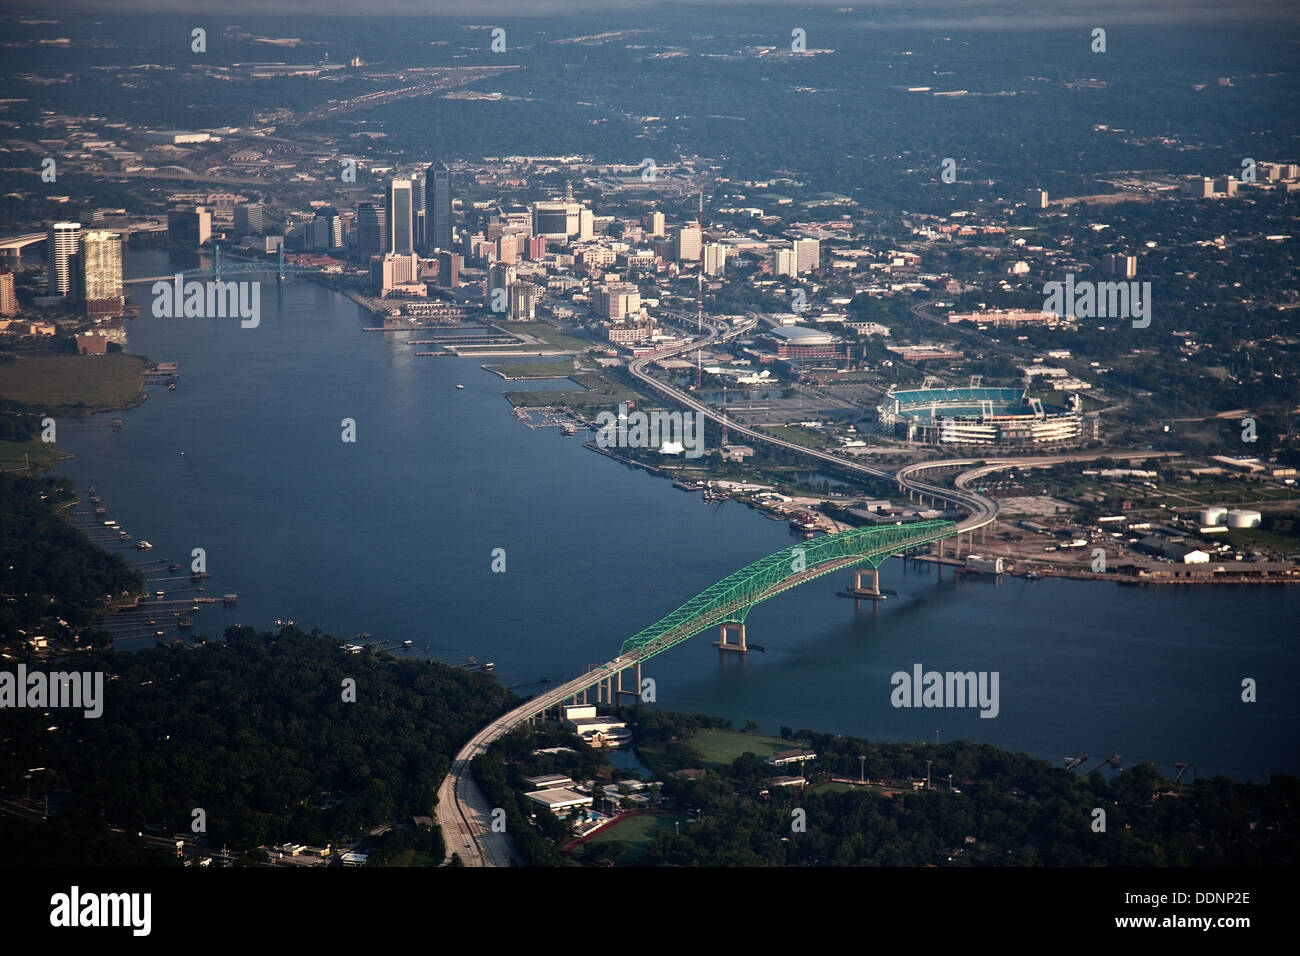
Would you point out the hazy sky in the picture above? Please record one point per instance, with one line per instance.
(936, 14)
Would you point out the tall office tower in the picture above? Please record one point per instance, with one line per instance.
(586, 225)
(8, 300)
(64, 240)
(655, 223)
(438, 201)
(715, 258)
(784, 263)
(523, 301)
(372, 231)
(98, 273)
(189, 227)
(807, 255)
(688, 244)
(401, 221)
(537, 248)
(449, 269)
(250, 219)
(1124, 266)
(1036, 198)
(420, 212)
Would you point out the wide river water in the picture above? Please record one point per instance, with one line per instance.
(393, 535)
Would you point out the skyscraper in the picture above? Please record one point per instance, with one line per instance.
(401, 218)
(64, 240)
(372, 231)
(438, 198)
(420, 212)
(97, 273)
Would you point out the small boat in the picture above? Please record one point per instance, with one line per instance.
(460, 386)
(143, 545)
(285, 622)
(117, 423)
(408, 643)
(230, 599)
(173, 568)
(488, 666)
(171, 386)
(184, 622)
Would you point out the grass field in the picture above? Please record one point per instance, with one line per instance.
(42, 454)
(718, 748)
(548, 334)
(523, 370)
(800, 436)
(72, 383)
(634, 833)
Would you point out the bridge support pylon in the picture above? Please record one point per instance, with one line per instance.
(723, 645)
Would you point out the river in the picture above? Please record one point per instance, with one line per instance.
(394, 535)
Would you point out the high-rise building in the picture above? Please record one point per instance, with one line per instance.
(507, 248)
(655, 223)
(372, 231)
(1227, 186)
(617, 300)
(523, 301)
(326, 230)
(449, 269)
(250, 219)
(1124, 266)
(8, 300)
(715, 258)
(189, 227)
(586, 225)
(688, 243)
(401, 217)
(500, 277)
(537, 248)
(393, 273)
(97, 273)
(438, 199)
(807, 255)
(419, 213)
(784, 263)
(557, 220)
(1036, 198)
(64, 240)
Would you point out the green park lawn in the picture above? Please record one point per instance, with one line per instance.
(69, 384)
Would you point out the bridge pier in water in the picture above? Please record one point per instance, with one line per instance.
(723, 645)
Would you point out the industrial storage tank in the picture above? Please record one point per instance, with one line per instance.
(1243, 518)
(1213, 515)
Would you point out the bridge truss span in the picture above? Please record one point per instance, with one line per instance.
(731, 598)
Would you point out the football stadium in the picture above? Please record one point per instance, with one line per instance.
(978, 416)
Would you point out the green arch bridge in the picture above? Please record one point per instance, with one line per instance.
(731, 599)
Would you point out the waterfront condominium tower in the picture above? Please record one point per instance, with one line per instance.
(64, 241)
(401, 218)
(97, 273)
(438, 198)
